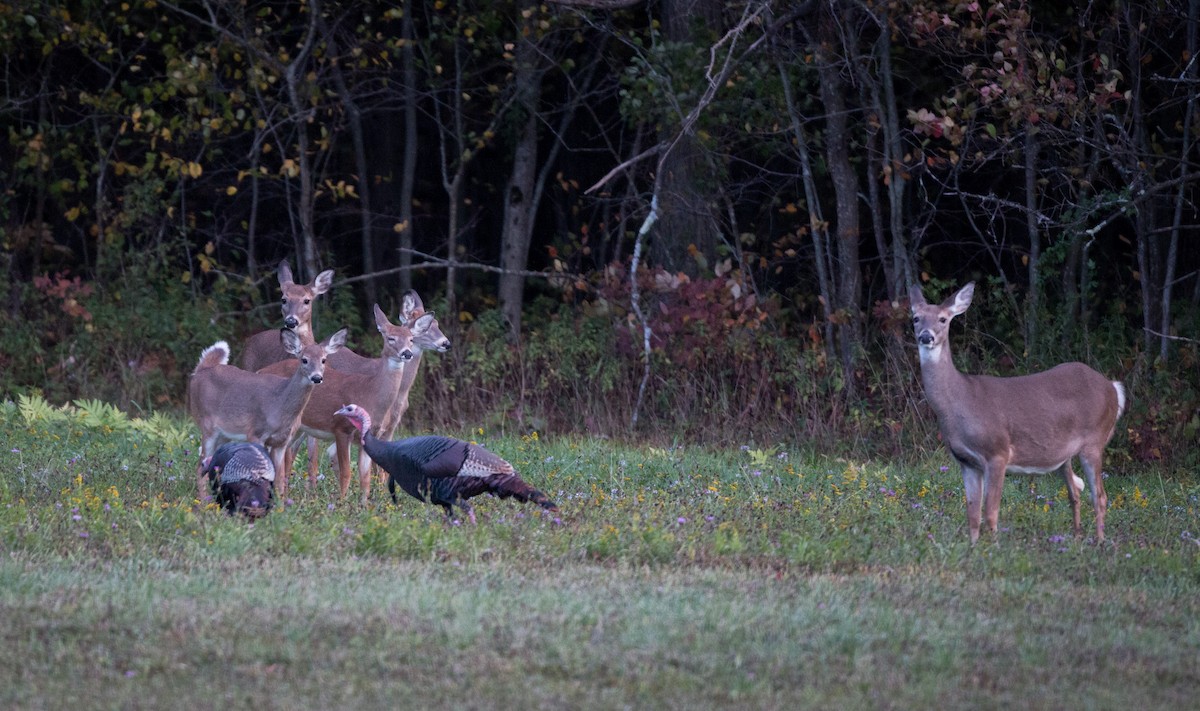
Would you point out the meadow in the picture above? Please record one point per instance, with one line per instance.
(755, 576)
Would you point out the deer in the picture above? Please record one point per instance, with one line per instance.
(265, 347)
(426, 338)
(1027, 424)
(378, 386)
(231, 404)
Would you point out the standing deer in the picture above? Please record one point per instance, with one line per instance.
(231, 404)
(265, 347)
(379, 386)
(1029, 424)
(425, 338)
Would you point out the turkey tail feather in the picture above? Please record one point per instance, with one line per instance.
(507, 485)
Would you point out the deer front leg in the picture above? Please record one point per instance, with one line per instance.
(364, 473)
(993, 479)
(341, 441)
(973, 486)
(278, 458)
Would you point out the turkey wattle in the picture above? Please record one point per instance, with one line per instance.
(442, 470)
(242, 478)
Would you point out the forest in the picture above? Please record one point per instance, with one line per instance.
(662, 219)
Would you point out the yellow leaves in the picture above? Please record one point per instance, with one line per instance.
(400, 227)
(73, 214)
(231, 190)
(289, 168)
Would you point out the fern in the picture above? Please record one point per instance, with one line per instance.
(165, 429)
(98, 414)
(35, 409)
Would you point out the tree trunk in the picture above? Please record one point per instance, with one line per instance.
(848, 290)
(409, 162)
(1035, 241)
(686, 217)
(520, 204)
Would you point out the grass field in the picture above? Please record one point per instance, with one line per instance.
(760, 577)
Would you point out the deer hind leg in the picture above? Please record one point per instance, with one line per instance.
(1073, 492)
(364, 473)
(314, 461)
(993, 480)
(973, 486)
(341, 441)
(1091, 459)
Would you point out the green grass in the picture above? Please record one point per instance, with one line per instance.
(677, 578)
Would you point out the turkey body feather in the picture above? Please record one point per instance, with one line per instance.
(442, 470)
(242, 478)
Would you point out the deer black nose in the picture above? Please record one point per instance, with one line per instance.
(925, 338)
(443, 347)
(291, 322)
(317, 379)
(406, 355)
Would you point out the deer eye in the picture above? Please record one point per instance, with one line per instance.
(308, 301)
(916, 319)
(942, 319)
(304, 360)
(283, 300)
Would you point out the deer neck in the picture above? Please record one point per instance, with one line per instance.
(940, 378)
(305, 332)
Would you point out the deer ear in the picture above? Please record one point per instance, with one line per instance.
(291, 342)
(336, 341)
(962, 299)
(915, 297)
(323, 281)
(285, 273)
(410, 306)
(381, 319)
(422, 324)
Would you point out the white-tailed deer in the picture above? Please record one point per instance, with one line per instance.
(1029, 424)
(231, 404)
(265, 347)
(378, 386)
(427, 336)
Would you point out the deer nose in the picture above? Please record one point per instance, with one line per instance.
(444, 346)
(317, 378)
(925, 338)
(406, 355)
(291, 322)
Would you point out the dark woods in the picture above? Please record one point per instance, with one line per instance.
(808, 161)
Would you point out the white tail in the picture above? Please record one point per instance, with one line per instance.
(377, 386)
(265, 347)
(231, 404)
(1030, 424)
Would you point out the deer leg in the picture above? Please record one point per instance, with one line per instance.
(278, 454)
(1072, 492)
(993, 479)
(314, 461)
(1091, 461)
(341, 442)
(364, 473)
(973, 485)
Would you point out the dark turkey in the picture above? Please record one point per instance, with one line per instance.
(442, 470)
(242, 478)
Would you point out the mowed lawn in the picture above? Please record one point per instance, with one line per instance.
(758, 577)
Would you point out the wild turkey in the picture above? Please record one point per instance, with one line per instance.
(242, 478)
(442, 470)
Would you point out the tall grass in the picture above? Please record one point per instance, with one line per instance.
(755, 576)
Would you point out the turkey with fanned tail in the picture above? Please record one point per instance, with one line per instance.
(242, 478)
(443, 470)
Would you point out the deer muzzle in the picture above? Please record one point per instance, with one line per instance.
(291, 322)
(925, 338)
